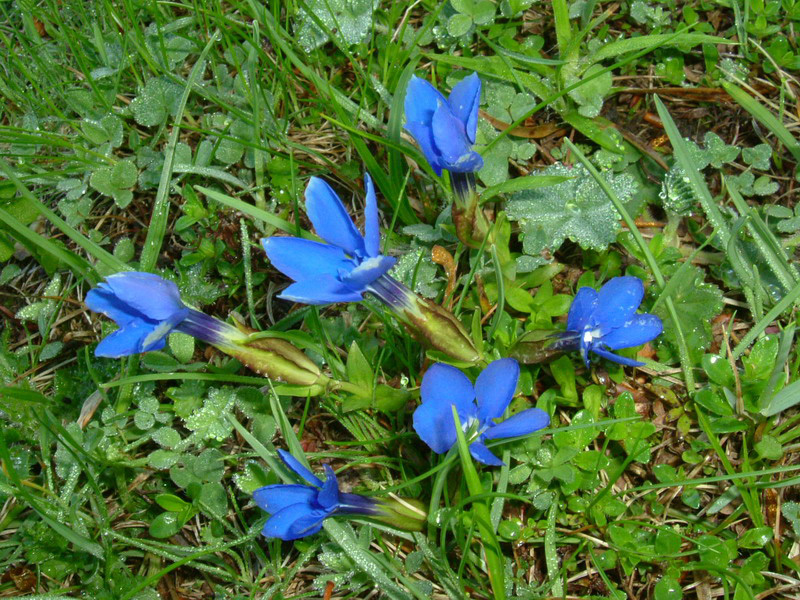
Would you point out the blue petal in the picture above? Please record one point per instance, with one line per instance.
(330, 218)
(424, 135)
(581, 309)
(628, 362)
(449, 136)
(153, 296)
(299, 469)
(634, 332)
(130, 340)
(293, 522)
(372, 229)
(445, 384)
(482, 454)
(433, 422)
(323, 290)
(464, 101)
(495, 388)
(421, 101)
(442, 388)
(102, 300)
(328, 496)
(304, 259)
(618, 300)
(274, 498)
(522, 423)
(368, 271)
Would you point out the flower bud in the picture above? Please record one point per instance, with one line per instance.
(273, 357)
(431, 324)
(541, 345)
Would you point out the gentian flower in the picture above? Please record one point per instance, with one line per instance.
(444, 386)
(606, 320)
(445, 128)
(298, 510)
(147, 308)
(349, 265)
(340, 270)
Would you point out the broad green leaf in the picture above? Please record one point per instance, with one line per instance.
(576, 209)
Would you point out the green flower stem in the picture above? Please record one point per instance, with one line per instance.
(480, 513)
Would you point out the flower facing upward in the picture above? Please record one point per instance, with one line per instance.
(607, 320)
(445, 128)
(340, 270)
(298, 510)
(146, 307)
(444, 386)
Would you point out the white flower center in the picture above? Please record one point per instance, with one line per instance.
(590, 335)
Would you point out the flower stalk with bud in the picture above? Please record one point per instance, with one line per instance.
(148, 308)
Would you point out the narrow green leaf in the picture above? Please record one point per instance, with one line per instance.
(651, 42)
(160, 214)
(517, 184)
(480, 512)
(766, 118)
(69, 258)
(254, 211)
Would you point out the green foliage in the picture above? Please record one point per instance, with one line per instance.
(576, 209)
(116, 181)
(117, 473)
(350, 21)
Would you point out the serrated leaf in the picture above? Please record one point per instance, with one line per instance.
(459, 24)
(182, 346)
(764, 186)
(697, 303)
(349, 20)
(483, 12)
(577, 209)
(591, 93)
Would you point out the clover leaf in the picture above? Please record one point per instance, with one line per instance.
(158, 100)
(116, 181)
(349, 20)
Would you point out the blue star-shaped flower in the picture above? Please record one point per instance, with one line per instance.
(444, 386)
(340, 270)
(299, 510)
(146, 307)
(607, 320)
(445, 128)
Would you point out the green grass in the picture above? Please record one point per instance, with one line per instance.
(172, 137)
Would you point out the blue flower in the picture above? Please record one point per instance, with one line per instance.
(444, 386)
(340, 270)
(607, 320)
(299, 510)
(445, 128)
(146, 307)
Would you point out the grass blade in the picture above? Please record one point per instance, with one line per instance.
(160, 214)
(766, 118)
(480, 511)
